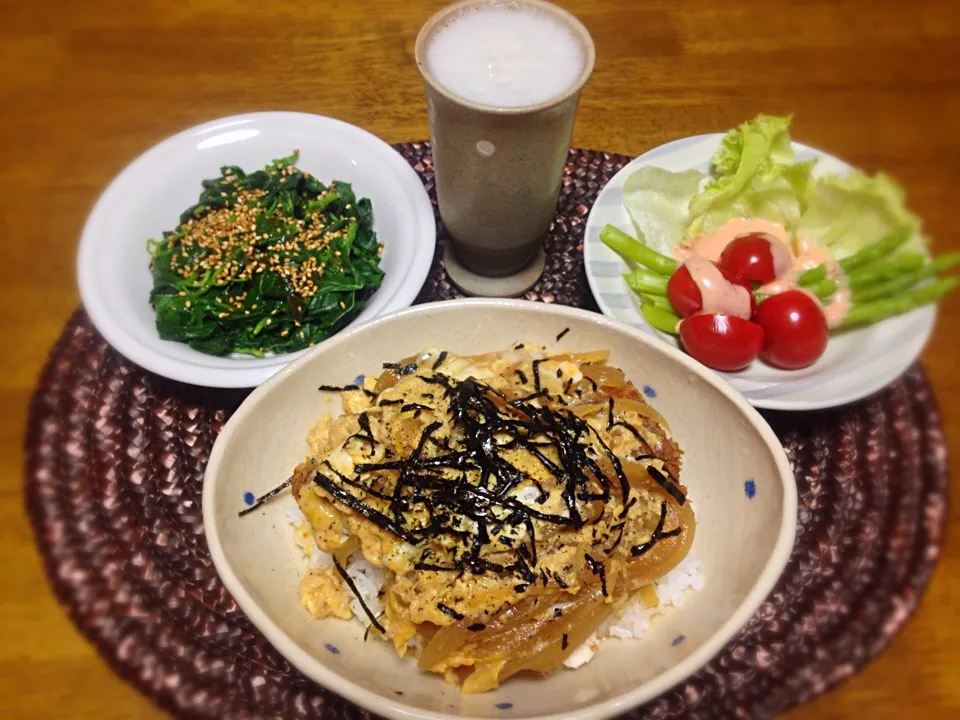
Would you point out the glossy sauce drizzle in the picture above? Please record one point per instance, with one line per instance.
(790, 259)
(717, 294)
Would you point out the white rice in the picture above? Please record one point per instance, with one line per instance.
(672, 590)
(369, 580)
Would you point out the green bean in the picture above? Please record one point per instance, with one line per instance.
(877, 250)
(823, 290)
(657, 301)
(812, 276)
(887, 270)
(871, 312)
(633, 249)
(660, 319)
(865, 256)
(644, 281)
(905, 281)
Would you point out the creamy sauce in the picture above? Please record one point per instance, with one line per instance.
(836, 310)
(782, 257)
(717, 294)
(790, 260)
(711, 245)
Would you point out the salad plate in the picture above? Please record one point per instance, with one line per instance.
(856, 362)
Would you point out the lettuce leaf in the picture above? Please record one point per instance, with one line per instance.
(658, 201)
(754, 175)
(848, 212)
(777, 194)
(770, 130)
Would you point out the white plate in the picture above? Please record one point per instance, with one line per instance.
(855, 364)
(733, 465)
(148, 196)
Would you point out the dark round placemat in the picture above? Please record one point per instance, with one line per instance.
(114, 468)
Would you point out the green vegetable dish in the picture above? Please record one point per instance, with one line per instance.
(268, 262)
(761, 258)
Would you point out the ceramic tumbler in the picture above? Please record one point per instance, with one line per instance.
(499, 169)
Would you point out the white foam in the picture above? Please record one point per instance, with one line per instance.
(505, 56)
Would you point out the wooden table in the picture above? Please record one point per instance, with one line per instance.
(85, 87)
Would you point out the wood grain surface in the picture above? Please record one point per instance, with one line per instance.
(86, 86)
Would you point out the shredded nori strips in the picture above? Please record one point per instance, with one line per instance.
(474, 503)
(668, 485)
(266, 496)
(353, 588)
(536, 375)
(447, 610)
(414, 406)
(597, 568)
(562, 333)
(658, 534)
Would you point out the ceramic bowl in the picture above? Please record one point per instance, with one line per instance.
(738, 477)
(148, 196)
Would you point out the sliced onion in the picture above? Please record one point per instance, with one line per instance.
(387, 379)
(604, 375)
(639, 478)
(641, 408)
(582, 358)
(667, 553)
(648, 596)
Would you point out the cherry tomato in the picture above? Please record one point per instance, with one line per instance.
(721, 342)
(684, 295)
(682, 292)
(752, 257)
(794, 329)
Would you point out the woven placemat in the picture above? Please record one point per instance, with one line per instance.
(114, 467)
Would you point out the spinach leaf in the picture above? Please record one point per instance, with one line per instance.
(266, 262)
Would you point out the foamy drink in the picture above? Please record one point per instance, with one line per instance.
(505, 55)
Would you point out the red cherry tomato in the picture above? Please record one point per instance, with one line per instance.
(721, 342)
(751, 257)
(794, 329)
(684, 294)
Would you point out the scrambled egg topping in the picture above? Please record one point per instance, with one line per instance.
(482, 482)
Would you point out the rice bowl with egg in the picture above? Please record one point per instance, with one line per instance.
(494, 514)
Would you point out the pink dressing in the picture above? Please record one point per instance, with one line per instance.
(790, 259)
(836, 310)
(711, 244)
(717, 294)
